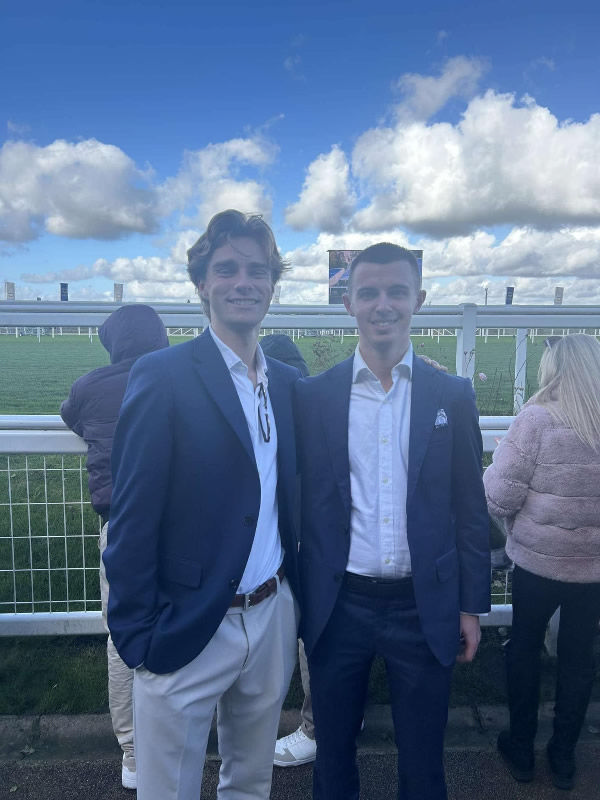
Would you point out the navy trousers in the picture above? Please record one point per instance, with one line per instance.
(359, 628)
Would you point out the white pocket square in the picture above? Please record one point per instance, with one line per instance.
(441, 420)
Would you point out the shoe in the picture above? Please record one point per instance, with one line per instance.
(562, 767)
(520, 764)
(295, 749)
(128, 772)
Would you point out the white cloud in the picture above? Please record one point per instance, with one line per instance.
(83, 190)
(523, 252)
(538, 260)
(212, 179)
(503, 163)
(425, 95)
(327, 198)
(17, 128)
(528, 291)
(167, 270)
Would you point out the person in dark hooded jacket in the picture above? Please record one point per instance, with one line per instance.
(91, 411)
(281, 347)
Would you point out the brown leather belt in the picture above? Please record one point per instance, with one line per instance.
(261, 593)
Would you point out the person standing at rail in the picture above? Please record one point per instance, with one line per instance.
(545, 482)
(91, 411)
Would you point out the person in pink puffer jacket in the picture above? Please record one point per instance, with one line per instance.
(545, 482)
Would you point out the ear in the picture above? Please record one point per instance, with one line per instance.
(348, 304)
(200, 287)
(420, 300)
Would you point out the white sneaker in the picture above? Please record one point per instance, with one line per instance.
(128, 773)
(295, 749)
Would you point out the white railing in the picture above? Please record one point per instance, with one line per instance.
(49, 533)
(467, 320)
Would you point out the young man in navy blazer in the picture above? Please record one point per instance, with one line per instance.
(201, 555)
(394, 555)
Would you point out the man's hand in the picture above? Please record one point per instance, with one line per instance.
(470, 635)
(432, 362)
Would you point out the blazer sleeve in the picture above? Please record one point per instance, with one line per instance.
(507, 479)
(469, 507)
(140, 463)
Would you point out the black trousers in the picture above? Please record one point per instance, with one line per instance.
(535, 599)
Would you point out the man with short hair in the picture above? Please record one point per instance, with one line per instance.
(201, 555)
(394, 555)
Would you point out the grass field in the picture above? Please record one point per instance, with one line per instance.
(48, 531)
(37, 376)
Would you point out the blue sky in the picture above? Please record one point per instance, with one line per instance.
(470, 130)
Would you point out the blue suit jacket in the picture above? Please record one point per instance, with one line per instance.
(185, 501)
(447, 521)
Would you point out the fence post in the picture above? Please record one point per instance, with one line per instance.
(465, 342)
(520, 370)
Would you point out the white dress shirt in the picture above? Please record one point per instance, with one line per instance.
(266, 554)
(378, 438)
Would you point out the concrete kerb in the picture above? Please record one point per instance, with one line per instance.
(58, 737)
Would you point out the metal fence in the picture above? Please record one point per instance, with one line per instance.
(49, 554)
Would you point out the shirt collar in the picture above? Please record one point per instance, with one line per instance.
(361, 372)
(235, 364)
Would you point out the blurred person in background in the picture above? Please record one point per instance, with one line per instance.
(91, 411)
(300, 746)
(545, 482)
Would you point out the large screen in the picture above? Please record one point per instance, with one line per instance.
(339, 270)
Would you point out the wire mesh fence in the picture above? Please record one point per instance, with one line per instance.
(49, 533)
(49, 555)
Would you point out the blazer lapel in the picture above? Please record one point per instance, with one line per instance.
(215, 376)
(335, 412)
(425, 401)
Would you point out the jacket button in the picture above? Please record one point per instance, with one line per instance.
(233, 584)
(249, 521)
(338, 576)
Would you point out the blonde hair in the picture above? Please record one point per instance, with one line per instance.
(569, 376)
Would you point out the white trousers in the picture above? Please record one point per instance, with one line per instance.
(244, 673)
(120, 677)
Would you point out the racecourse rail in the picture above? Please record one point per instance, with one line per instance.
(41, 436)
(46, 435)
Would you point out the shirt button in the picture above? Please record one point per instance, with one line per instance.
(386, 520)
(384, 440)
(385, 480)
(387, 561)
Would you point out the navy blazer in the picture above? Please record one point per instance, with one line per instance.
(447, 520)
(185, 501)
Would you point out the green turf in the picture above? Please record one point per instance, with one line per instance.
(48, 533)
(37, 376)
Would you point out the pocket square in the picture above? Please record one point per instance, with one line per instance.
(441, 420)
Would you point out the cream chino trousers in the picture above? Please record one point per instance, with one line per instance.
(244, 673)
(120, 677)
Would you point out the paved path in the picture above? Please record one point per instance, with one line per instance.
(76, 758)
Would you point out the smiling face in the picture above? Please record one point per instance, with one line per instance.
(238, 286)
(383, 298)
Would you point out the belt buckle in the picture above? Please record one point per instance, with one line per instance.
(247, 601)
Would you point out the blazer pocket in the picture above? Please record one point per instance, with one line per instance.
(440, 435)
(446, 566)
(179, 570)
